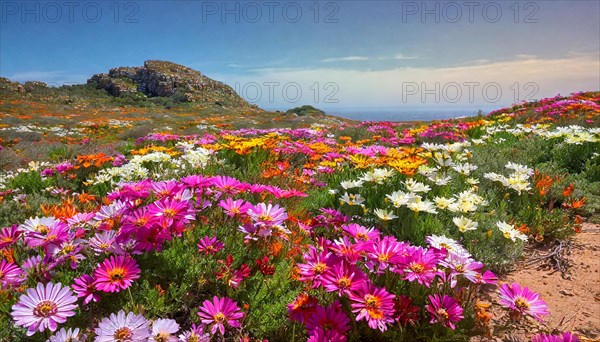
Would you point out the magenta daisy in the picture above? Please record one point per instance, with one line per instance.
(317, 263)
(44, 307)
(385, 252)
(195, 334)
(420, 265)
(85, 287)
(564, 337)
(209, 245)
(123, 328)
(10, 274)
(343, 278)
(361, 233)
(9, 235)
(116, 273)
(332, 318)
(164, 330)
(522, 301)
(220, 311)
(445, 311)
(373, 304)
(236, 207)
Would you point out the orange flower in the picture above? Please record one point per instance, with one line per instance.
(543, 184)
(84, 198)
(568, 190)
(579, 203)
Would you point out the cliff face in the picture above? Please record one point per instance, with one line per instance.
(167, 79)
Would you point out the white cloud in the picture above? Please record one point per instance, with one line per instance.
(404, 57)
(516, 80)
(345, 59)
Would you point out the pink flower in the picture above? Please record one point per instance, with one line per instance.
(220, 311)
(445, 311)
(420, 265)
(84, 286)
(332, 318)
(360, 233)
(376, 305)
(209, 245)
(343, 278)
(316, 265)
(522, 301)
(385, 252)
(267, 214)
(116, 273)
(10, 274)
(236, 207)
(564, 337)
(9, 235)
(195, 334)
(44, 307)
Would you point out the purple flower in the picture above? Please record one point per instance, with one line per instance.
(445, 311)
(121, 328)
(522, 301)
(44, 307)
(163, 330)
(68, 336)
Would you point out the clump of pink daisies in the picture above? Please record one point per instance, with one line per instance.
(46, 306)
(116, 273)
(220, 311)
(444, 310)
(522, 301)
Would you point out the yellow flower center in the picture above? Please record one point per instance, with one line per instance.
(116, 274)
(123, 334)
(320, 268)
(384, 257)
(42, 228)
(442, 313)
(521, 303)
(45, 309)
(344, 282)
(265, 218)
(169, 212)
(417, 268)
(219, 318)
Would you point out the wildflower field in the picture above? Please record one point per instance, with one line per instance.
(134, 225)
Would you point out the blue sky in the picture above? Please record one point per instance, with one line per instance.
(337, 55)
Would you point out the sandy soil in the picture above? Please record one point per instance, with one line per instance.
(574, 303)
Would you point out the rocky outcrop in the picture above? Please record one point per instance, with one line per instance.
(167, 79)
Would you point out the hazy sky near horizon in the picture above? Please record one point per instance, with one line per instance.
(336, 55)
